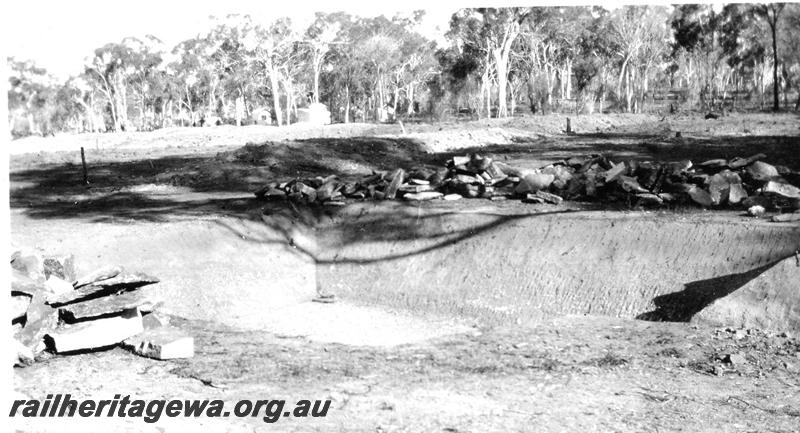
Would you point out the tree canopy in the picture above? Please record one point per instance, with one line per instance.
(496, 62)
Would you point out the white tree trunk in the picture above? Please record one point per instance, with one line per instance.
(513, 100)
(485, 93)
(569, 79)
(239, 110)
(347, 104)
(410, 98)
(317, 68)
(276, 100)
(501, 65)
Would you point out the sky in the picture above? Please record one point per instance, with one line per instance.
(59, 35)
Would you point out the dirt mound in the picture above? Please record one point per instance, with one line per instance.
(522, 130)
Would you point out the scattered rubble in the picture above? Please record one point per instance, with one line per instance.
(737, 183)
(756, 210)
(786, 217)
(102, 309)
(735, 359)
(21, 356)
(154, 320)
(165, 342)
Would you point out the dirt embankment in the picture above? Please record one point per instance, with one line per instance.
(434, 137)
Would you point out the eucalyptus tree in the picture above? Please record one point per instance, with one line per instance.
(640, 36)
(319, 39)
(474, 48)
(536, 55)
(186, 73)
(29, 89)
(108, 70)
(771, 13)
(226, 57)
(791, 49)
(501, 27)
(698, 49)
(270, 48)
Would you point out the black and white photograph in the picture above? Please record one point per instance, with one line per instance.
(459, 217)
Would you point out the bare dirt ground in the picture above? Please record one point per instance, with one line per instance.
(177, 203)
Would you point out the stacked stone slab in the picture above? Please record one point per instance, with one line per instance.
(716, 183)
(54, 310)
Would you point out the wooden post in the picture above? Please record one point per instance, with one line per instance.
(569, 127)
(85, 172)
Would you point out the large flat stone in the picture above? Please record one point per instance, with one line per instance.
(127, 280)
(108, 305)
(19, 306)
(22, 283)
(165, 342)
(57, 286)
(120, 283)
(737, 193)
(534, 182)
(97, 333)
(762, 171)
(782, 189)
(423, 196)
(549, 198)
(29, 262)
(416, 188)
(40, 320)
(719, 187)
(103, 273)
(62, 267)
(615, 171)
(394, 185)
(701, 196)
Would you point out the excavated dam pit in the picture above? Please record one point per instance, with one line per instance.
(519, 264)
(418, 271)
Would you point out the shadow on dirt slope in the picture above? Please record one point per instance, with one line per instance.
(697, 295)
(395, 224)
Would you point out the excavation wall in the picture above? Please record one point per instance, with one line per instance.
(513, 264)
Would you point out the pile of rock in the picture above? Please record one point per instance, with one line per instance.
(740, 182)
(53, 311)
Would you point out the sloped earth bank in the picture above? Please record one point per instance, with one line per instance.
(444, 321)
(506, 264)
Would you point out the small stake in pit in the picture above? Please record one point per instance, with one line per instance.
(85, 171)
